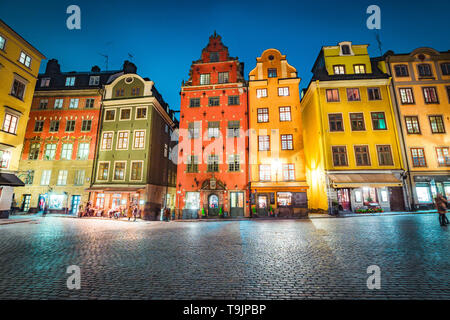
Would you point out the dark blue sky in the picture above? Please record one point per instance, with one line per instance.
(166, 36)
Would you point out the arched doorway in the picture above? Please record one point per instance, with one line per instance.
(213, 205)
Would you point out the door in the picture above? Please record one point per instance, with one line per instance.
(75, 204)
(263, 205)
(396, 199)
(236, 204)
(213, 205)
(26, 202)
(42, 202)
(344, 199)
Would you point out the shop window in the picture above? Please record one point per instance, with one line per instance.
(358, 196)
(192, 200)
(423, 194)
(384, 196)
(56, 201)
(100, 201)
(284, 199)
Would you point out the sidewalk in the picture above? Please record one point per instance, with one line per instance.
(18, 219)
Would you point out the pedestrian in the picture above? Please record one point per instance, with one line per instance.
(135, 212)
(129, 212)
(441, 206)
(166, 214)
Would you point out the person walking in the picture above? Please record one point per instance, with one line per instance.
(441, 206)
(135, 212)
(129, 212)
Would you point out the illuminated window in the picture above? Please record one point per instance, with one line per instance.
(285, 113)
(74, 103)
(233, 100)
(119, 170)
(443, 157)
(204, 78)
(58, 103)
(45, 177)
(34, 151)
(412, 124)
(2, 43)
(194, 130)
(103, 171)
(263, 143)
(261, 93)
(136, 170)
(107, 140)
(286, 142)
(423, 194)
(385, 155)
(62, 178)
(234, 128)
(139, 139)
(283, 91)
(70, 81)
(66, 151)
(50, 151)
(437, 124)
(284, 199)
(265, 172)
(10, 123)
(418, 157)
(353, 94)
(406, 95)
(359, 68)
(79, 177)
(83, 151)
(213, 129)
(430, 95)
(94, 80)
(378, 121)
(332, 95)
(263, 114)
(25, 59)
(339, 69)
(288, 172)
(122, 140)
(5, 155)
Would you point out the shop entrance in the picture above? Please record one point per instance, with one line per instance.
(42, 200)
(344, 199)
(396, 199)
(26, 202)
(213, 205)
(263, 205)
(75, 204)
(236, 204)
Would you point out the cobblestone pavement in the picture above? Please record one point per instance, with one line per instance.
(291, 259)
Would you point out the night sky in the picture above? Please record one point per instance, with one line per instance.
(164, 37)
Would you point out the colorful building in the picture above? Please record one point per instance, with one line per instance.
(134, 162)
(421, 94)
(19, 68)
(353, 156)
(61, 138)
(277, 159)
(212, 172)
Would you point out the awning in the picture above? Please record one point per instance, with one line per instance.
(354, 180)
(115, 189)
(9, 179)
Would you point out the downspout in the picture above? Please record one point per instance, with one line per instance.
(249, 171)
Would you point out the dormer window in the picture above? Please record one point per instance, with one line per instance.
(45, 82)
(346, 49)
(401, 70)
(272, 72)
(94, 80)
(339, 69)
(70, 81)
(359, 68)
(424, 70)
(214, 57)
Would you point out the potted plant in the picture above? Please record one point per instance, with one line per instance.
(254, 211)
(203, 215)
(220, 212)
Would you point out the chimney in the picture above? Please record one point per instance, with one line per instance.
(129, 67)
(95, 69)
(52, 67)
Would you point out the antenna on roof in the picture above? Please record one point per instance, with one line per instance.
(106, 60)
(377, 37)
(130, 56)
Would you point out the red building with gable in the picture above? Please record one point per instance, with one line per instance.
(212, 174)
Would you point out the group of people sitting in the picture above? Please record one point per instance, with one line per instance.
(115, 212)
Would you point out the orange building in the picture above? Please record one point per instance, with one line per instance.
(212, 152)
(277, 161)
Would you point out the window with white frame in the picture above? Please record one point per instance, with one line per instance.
(58, 103)
(264, 143)
(94, 80)
(83, 151)
(66, 151)
(265, 172)
(285, 114)
(18, 89)
(74, 103)
(2, 42)
(43, 103)
(86, 125)
(261, 93)
(122, 140)
(62, 178)
(204, 78)
(107, 139)
(45, 177)
(50, 151)
(5, 156)
(213, 129)
(119, 170)
(79, 177)
(141, 113)
(10, 123)
(25, 59)
(234, 163)
(286, 142)
(283, 91)
(136, 170)
(70, 81)
(103, 171)
(139, 139)
(288, 172)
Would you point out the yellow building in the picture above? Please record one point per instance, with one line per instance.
(277, 167)
(353, 158)
(19, 67)
(421, 91)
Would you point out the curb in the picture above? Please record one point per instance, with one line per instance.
(12, 221)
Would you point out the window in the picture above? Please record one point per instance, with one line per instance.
(234, 129)
(423, 194)
(418, 157)
(378, 121)
(406, 96)
(119, 170)
(332, 95)
(73, 104)
(141, 113)
(357, 121)
(83, 151)
(58, 103)
(213, 129)
(412, 124)
(285, 114)
(50, 151)
(45, 82)
(339, 69)
(385, 155)
(288, 172)
(86, 125)
(286, 142)
(265, 172)
(283, 91)
(89, 103)
(54, 126)
(233, 100)
(139, 139)
(70, 125)
(66, 151)
(110, 115)
(336, 122)
(103, 171)
(263, 143)
(234, 163)
(45, 177)
(34, 151)
(43, 103)
(62, 178)
(94, 80)
(79, 177)
(272, 72)
(120, 92)
(125, 114)
(445, 67)
(359, 68)
(107, 140)
(339, 156)
(373, 94)
(18, 89)
(192, 164)
(204, 78)
(424, 70)
(213, 57)
(362, 155)
(192, 200)
(353, 94)
(214, 101)
(122, 140)
(213, 163)
(136, 170)
(2, 43)
(194, 130)
(135, 91)
(443, 156)
(70, 81)
(25, 59)
(5, 156)
(194, 102)
(261, 93)
(448, 93)
(223, 77)
(437, 124)
(263, 114)
(401, 70)
(10, 123)
(430, 95)
(345, 49)
(38, 125)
